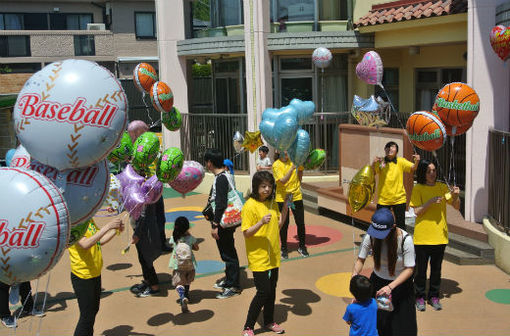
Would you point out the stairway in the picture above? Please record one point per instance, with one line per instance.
(467, 241)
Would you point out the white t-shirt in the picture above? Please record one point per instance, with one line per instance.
(406, 259)
(265, 162)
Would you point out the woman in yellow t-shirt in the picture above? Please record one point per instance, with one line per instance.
(86, 263)
(428, 200)
(261, 223)
(288, 183)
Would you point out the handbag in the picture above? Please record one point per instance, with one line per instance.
(208, 212)
(235, 201)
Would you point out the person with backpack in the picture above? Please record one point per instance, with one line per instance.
(394, 261)
(182, 260)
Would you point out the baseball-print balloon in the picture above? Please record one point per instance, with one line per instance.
(70, 114)
(34, 225)
(84, 189)
(21, 158)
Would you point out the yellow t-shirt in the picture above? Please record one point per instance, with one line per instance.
(87, 264)
(431, 227)
(263, 248)
(390, 188)
(293, 186)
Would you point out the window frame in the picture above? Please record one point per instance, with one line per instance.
(79, 37)
(439, 83)
(154, 27)
(27, 46)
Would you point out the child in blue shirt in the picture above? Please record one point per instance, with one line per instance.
(361, 314)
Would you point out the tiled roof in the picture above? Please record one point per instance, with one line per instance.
(404, 10)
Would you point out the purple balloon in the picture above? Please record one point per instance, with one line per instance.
(152, 189)
(134, 200)
(129, 177)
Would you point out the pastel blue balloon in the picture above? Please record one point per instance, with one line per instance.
(300, 149)
(309, 106)
(9, 155)
(270, 114)
(371, 105)
(289, 112)
(266, 128)
(284, 131)
(304, 110)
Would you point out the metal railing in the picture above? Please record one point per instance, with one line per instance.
(499, 178)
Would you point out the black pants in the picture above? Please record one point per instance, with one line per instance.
(228, 254)
(265, 283)
(424, 253)
(88, 293)
(148, 272)
(160, 215)
(399, 210)
(402, 320)
(26, 298)
(299, 218)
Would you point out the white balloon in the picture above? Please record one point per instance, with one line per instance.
(84, 189)
(21, 158)
(34, 225)
(71, 114)
(321, 57)
(114, 197)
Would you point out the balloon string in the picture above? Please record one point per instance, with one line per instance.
(322, 95)
(398, 117)
(353, 242)
(451, 173)
(43, 305)
(440, 170)
(147, 108)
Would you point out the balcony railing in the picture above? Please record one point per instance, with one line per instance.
(499, 179)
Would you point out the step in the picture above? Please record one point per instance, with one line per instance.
(464, 258)
(311, 206)
(309, 195)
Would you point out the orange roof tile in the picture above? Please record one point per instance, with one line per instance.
(410, 10)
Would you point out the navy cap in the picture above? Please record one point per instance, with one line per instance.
(382, 222)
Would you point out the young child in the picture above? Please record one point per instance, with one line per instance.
(361, 314)
(263, 161)
(261, 229)
(182, 260)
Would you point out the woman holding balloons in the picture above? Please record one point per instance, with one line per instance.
(429, 200)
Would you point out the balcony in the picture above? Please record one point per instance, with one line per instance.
(47, 45)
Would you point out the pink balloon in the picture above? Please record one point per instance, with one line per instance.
(152, 189)
(189, 178)
(370, 69)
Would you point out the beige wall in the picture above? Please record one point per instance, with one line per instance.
(362, 7)
(48, 7)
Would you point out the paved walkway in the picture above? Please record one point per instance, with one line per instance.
(311, 297)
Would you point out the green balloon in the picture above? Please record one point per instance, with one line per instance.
(145, 151)
(78, 231)
(122, 152)
(170, 164)
(172, 120)
(315, 159)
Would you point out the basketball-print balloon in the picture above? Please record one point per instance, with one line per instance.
(21, 158)
(457, 104)
(84, 189)
(370, 69)
(162, 97)
(315, 159)
(34, 225)
(172, 120)
(453, 131)
(170, 164)
(145, 151)
(189, 178)
(144, 76)
(426, 131)
(70, 114)
(77, 232)
(123, 151)
(322, 57)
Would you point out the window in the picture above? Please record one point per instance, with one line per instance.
(145, 25)
(304, 63)
(14, 46)
(11, 21)
(23, 67)
(430, 81)
(84, 45)
(226, 12)
(65, 21)
(333, 10)
(390, 83)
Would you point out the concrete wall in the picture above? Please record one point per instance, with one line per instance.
(48, 7)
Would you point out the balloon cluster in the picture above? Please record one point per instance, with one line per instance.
(371, 111)
(361, 188)
(146, 81)
(280, 128)
(68, 117)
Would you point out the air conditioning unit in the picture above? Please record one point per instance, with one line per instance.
(96, 26)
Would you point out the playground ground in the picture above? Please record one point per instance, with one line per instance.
(312, 293)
